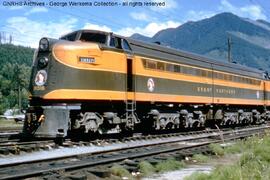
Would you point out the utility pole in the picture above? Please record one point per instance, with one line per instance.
(229, 49)
(10, 39)
(3, 37)
(20, 98)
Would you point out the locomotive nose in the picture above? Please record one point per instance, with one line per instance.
(40, 68)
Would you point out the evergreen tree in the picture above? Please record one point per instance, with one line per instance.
(15, 68)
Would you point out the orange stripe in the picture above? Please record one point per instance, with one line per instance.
(172, 98)
(69, 94)
(194, 99)
(238, 101)
(267, 102)
(85, 94)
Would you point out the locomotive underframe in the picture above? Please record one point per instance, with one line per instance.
(58, 120)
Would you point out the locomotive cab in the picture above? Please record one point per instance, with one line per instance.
(73, 78)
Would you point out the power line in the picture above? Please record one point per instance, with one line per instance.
(229, 49)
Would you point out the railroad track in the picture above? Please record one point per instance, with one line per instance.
(11, 144)
(7, 132)
(107, 152)
(5, 136)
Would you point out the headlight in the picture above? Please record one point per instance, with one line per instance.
(42, 62)
(44, 44)
(41, 78)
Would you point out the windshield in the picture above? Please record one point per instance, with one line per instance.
(93, 37)
(69, 37)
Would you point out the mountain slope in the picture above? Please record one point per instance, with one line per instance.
(140, 37)
(250, 39)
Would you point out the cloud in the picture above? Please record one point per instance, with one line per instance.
(140, 16)
(169, 4)
(27, 32)
(149, 30)
(254, 11)
(97, 27)
(198, 15)
(250, 11)
(36, 10)
(15, 7)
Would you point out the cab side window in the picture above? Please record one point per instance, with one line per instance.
(126, 45)
(119, 43)
(112, 42)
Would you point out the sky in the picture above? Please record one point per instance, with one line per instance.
(53, 18)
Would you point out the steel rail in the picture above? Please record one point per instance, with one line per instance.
(122, 154)
(147, 141)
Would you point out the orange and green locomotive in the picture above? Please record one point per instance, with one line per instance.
(94, 81)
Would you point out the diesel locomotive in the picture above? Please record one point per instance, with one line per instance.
(98, 82)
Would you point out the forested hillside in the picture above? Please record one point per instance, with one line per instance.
(15, 66)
